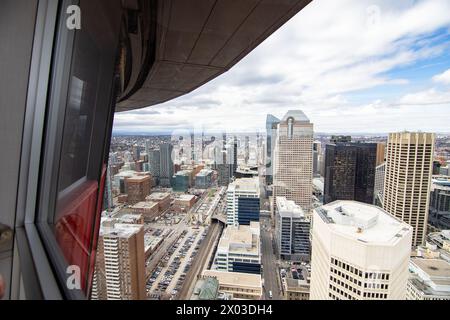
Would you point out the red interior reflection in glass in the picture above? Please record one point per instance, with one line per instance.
(77, 227)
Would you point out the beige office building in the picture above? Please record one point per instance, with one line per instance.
(359, 252)
(381, 153)
(120, 264)
(241, 286)
(409, 166)
(293, 159)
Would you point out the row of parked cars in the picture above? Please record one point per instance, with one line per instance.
(182, 254)
(164, 262)
(175, 264)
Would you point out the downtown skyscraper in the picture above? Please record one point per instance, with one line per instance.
(359, 252)
(166, 165)
(350, 171)
(271, 133)
(292, 231)
(154, 158)
(293, 160)
(409, 165)
(120, 264)
(243, 201)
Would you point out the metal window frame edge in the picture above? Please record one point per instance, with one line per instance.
(57, 90)
(32, 262)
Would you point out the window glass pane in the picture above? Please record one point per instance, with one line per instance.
(85, 132)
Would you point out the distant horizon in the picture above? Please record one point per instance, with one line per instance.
(357, 66)
(379, 134)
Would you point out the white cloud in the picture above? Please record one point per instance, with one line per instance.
(443, 77)
(329, 51)
(427, 97)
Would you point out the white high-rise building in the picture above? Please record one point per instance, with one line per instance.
(239, 249)
(293, 159)
(243, 196)
(292, 231)
(407, 183)
(359, 252)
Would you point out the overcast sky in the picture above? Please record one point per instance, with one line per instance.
(350, 65)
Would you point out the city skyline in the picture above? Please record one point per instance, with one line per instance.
(374, 72)
(261, 228)
(226, 150)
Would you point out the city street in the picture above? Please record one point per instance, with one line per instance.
(269, 261)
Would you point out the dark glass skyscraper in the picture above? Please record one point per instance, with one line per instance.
(166, 165)
(439, 215)
(350, 172)
(235, 152)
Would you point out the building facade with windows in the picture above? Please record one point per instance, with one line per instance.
(350, 171)
(154, 158)
(239, 249)
(243, 201)
(271, 136)
(203, 179)
(293, 159)
(166, 165)
(138, 187)
(120, 264)
(407, 183)
(292, 231)
(360, 252)
(378, 189)
(439, 214)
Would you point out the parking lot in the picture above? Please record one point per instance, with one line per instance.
(167, 278)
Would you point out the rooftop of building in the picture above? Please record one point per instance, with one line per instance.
(126, 173)
(145, 205)
(437, 269)
(111, 228)
(441, 182)
(138, 178)
(319, 183)
(245, 184)
(270, 118)
(206, 288)
(204, 172)
(124, 215)
(234, 279)
(157, 196)
(431, 276)
(298, 115)
(363, 222)
(185, 197)
(242, 239)
(297, 285)
(184, 173)
(285, 206)
(151, 242)
(298, 279)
